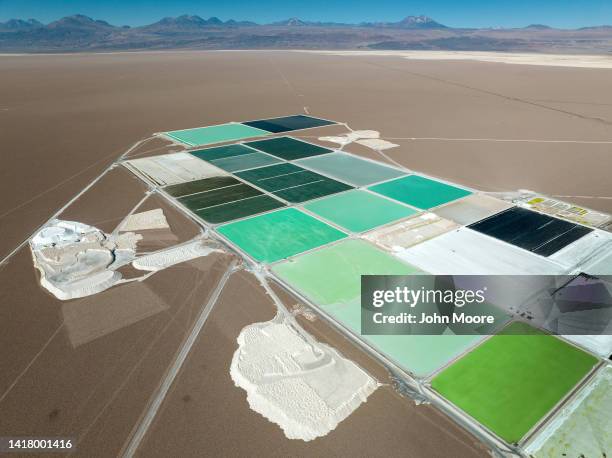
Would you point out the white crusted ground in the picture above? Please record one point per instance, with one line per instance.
(377, 144)
(550, 60)
(151, 219)
(367, 138)
(305, 387)
(163, 259)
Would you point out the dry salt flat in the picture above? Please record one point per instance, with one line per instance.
(548, 60)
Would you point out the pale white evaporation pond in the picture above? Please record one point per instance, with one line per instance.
(174, 168)
(591, 254)
(467, 252)
(472, 208)
(582, 427)
(410, 232)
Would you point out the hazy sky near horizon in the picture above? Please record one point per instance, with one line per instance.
(456, 13)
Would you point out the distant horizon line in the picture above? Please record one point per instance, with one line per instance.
(306, 21)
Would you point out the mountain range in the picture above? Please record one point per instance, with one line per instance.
(81, 33)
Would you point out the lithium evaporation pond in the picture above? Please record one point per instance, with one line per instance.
(260, 176)
(602, 265)
(288, 148)
(419, 191)
(331, 278)
(221, 152)
(239, 209)
(535, 232)
(586, 420)
(174, 168)
(288, 123)
(279, 177)
(222, 199)
(232, 158)
(292, 183)
(359, 211)
(193, 187)
(514, 379)
(410, 232)
(215, 134)
(280, 234)
(467, 252)
(219, 196)
(471, 209)
(324, 187)
(351, 169)
(245, 161)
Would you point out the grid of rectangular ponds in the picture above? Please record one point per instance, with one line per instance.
(283, 198)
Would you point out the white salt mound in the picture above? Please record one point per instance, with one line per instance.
(303, 386)
(76, 260)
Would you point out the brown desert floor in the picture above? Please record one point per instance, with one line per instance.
(181, 227)
(205, 414)
(87, 368)
(105, 204)
(118, 193)
(60, 131)
(153, 147)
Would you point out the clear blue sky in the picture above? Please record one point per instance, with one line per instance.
(457, 13)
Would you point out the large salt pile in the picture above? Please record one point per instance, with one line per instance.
(78, 260)
(305, 387)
